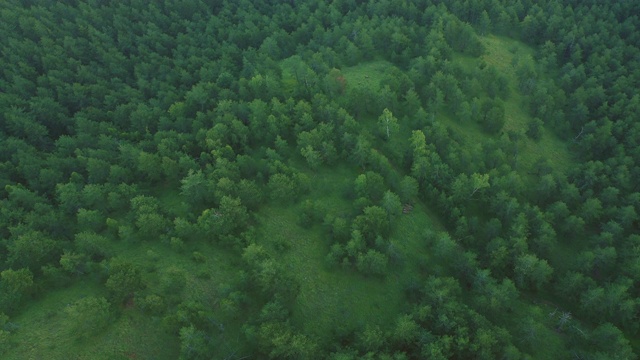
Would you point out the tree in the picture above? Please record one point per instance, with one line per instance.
(372, 262)
(534, 129)
(32, 249)
(90, 220)
(464, 187)
(233, 215)
(391, 204)
(151, 225)
(312, 156)
(388, 123)
(249, 194)
(281, 188)
(531, 272)
(196, 188)
(124, 280)
(408, 189)
(193, 344)
(373, 222)
(150, 166)
(93, 245)
(88, 316)
(369, 185)
(484, 23)
(610, 343)
(492, 116)
(15, 286)
(406, 330)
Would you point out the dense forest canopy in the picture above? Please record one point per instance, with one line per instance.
(308, 180)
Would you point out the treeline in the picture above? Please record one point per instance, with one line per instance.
(107, 103)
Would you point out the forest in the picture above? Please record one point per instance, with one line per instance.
(302, 179)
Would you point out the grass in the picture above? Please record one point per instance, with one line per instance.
(335, 299)
(328, 298)
(43, 327)
(367, 74)
(44, 332)
(500, 53)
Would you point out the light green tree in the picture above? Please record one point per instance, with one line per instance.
(391, 204)
(15, 285)
(88, 316)
(388, 122)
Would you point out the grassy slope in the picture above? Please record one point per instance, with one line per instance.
(133, 334)
(44, 332)
(500, 53)
(332, 299)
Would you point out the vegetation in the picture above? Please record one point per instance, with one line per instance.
(319, 180)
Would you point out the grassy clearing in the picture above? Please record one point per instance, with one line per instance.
(329, 298)
(335, 299)
(44, 332)
(504, 54)
(44, 327)
(367, 74)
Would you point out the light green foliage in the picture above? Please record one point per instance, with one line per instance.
(88, 316)
(193, 344)
(372, 262)
(369, 185)
(90, 220)
(391, 204)
(531, 272)
(229, 219)
(16, 285)
(408, 189)
(406, 330)
(124, 280)
(93, 245)
(388, 123)
(31, 249)
(313, 157)
(73, 263)
(151, 304)
(5, 335)
(196, 188)
(372, 338)
(609, 342)
(492, 116)
(534, 129)
(281, 343)
(465, 187)
(281, 187)
(173, 281)
(373, 222)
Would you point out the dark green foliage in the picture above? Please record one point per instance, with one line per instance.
(534, 129)
(491, 116)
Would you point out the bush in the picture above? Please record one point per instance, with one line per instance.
(88, 316)
(372, 263)
(534, 129)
